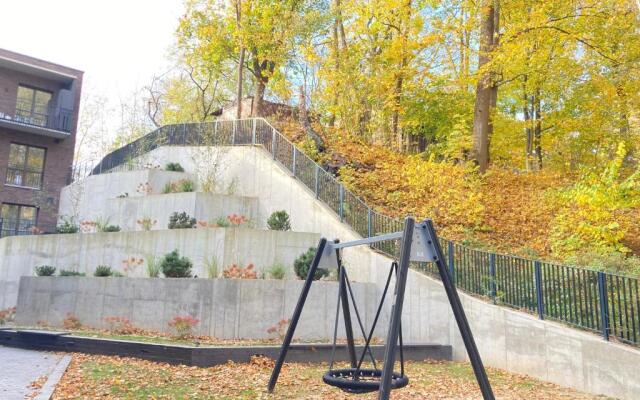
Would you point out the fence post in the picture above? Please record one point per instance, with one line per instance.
(253, 132)
(539, 296)
(293, 161)
(369, 222)
(452, 270)
(341, 205)
(274, 144)
(492, 277)
(234, 131)
(317, 184)
(604, 304)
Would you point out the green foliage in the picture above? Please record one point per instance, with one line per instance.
(223, 222)
(183, 185)
(181, 220)
(595, 210)
(211, 265)
(66, 272)
(103, 271)
(176, 167)
(614, 262)
(67, 225)
(45, 270)
(302, 264)
(174, 266)
(153, 266)
(279, 221)
(110, 228)
(277, 271)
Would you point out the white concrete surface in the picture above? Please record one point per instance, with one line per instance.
(19, 255)
(225, 308)
(20, 368)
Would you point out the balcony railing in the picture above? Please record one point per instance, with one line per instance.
(24, 113)
(22, 227)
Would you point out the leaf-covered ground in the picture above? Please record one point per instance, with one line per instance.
(102, 377)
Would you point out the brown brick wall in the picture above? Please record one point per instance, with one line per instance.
(59, 152)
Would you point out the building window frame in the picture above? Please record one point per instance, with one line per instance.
(18, 226)
(32, 116)
(24, 170)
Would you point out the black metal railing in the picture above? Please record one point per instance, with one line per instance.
(588, 299)
(23, 227)
(25, 113)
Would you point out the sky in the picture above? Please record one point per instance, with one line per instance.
(119, 44)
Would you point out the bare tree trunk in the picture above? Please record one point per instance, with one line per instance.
(537, 134)
(240, 63)
(258, 97)
(482, 108)
(527, 130)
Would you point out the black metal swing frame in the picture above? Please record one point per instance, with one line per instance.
(419, 242)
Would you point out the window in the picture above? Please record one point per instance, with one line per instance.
(16, 219)
(32, 106)
(26, 164)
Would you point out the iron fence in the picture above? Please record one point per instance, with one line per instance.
(587, 299)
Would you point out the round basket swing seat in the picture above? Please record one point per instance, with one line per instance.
(354, 380)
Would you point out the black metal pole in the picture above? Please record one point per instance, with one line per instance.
(461, 319)
(396, 310)
(346, 312)
(296, 315)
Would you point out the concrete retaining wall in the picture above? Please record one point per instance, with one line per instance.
(84, 252)
(226, 308)
(506, 339)
(97, 198)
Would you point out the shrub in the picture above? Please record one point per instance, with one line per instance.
(7, 315)
(45, 270)
(110, 228)
(183, 325)
(66, 272)
(302, 264)
(277, 271)
(181, 221)
(183, 185)
(153, 267)
(131, 263)
(186, 185)
(175, 167)
(119, 325)
(222, 222)
(174, 266)
(234, 271)
(71, 322)
(67, 225)
(117, 274)
(279, 221)
(103, 270)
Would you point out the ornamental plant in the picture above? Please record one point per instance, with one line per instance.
(174, 166)
(279, 221)
(183, 325)
(119, 325)
(103, 271)
(236, 272)
(67, 225)
(45, 270)
(146, 223)
(7, 315)
(302, 264)
(174, 266)
(181, 220)
(237, 220)
(67, 272)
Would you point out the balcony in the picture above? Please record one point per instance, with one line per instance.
(50, 121)
(14, 227)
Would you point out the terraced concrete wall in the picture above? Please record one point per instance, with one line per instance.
(506, 338)
(225, 308)
(84, 252)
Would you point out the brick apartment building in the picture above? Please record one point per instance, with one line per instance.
(39, 104)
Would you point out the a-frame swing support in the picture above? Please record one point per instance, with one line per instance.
(419, 243)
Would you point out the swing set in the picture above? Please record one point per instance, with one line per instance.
(419, 243)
